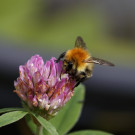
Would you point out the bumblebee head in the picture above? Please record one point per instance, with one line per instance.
(67, 65)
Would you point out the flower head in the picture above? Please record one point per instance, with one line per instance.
(41, 87)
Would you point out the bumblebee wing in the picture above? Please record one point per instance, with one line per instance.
(79, 43)
(98, 61)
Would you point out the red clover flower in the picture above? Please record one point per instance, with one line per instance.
(42, 87)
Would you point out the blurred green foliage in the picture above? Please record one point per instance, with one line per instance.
(32, 21)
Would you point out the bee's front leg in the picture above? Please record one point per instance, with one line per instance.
(60, 57)
(81, 79)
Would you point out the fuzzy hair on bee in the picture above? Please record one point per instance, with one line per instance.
(79, 63)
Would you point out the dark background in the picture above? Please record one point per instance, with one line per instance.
(50, 27)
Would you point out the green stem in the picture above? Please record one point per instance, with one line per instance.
(39, 130)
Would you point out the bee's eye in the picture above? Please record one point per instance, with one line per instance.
(69, 66)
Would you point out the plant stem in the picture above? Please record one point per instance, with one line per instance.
(39, 130)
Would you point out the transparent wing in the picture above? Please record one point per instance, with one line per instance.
(79, 43)
(98, 61)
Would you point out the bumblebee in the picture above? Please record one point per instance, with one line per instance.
(79, 63)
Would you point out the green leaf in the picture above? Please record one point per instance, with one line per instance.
(11, 117)
(70, 113)
(46, 124)
(3, 110)
(90, 132)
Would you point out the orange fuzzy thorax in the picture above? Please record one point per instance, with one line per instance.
(77, 56)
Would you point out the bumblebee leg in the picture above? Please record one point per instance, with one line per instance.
(82, 79)
(61, 56)
(61, 72)
(77, 84)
